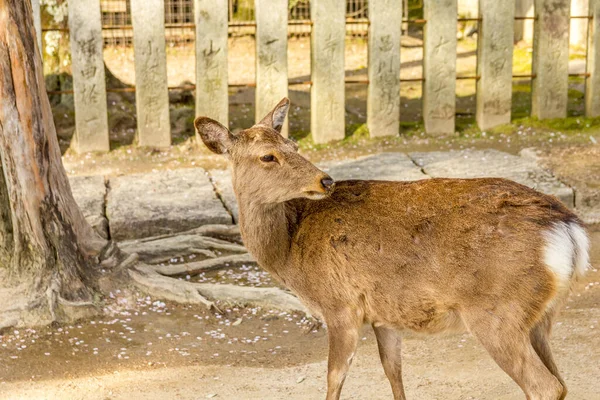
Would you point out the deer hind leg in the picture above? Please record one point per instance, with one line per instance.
(540, 336)
(512, 350)
(389, 343)
(343, 340)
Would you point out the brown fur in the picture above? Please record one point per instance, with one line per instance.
(429, 256)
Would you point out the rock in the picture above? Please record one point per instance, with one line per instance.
(493, 163)
(89, 193)
(150, 204)
(222, 181)
(530, 153)
(384, 166)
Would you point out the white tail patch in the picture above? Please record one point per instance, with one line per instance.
(566, 252)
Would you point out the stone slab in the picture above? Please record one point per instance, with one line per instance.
(493, 163)
(151, 204)
(271, 56)
(151, 94)
(89, 193)
(89, 86)
(550, 64)
(494, 63)
(383, 98)
(384, 167)
(439, 66)
(327, 93)
(211, 60)
(592, 83)
(221, 179)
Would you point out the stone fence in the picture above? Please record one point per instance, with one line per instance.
(494, 76)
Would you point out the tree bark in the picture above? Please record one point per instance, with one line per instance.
(47, 249)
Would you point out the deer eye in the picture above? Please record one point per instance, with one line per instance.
(268, 158)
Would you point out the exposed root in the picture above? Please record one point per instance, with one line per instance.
(65, 310)
(74, 310)
(244, 295)
(157, 280)
(196, 267)
(149, 280)
(109, 256)
(162, 248)
(224, 232)
(129, 261)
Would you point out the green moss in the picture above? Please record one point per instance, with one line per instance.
(565, 125)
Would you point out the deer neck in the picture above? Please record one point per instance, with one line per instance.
(265, 232)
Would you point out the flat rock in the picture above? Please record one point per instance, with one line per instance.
(383, 167)
(89, 193)
(151, 204)
(493, 163)
(221, 179)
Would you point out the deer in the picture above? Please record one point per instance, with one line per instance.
(487, 255)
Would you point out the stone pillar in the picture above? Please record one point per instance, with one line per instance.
(91, 123)
(383, 99)
(212, 98)
(579, 26)
(37, 23)
(151, 93)
(271, 56)
(439, 66)
(549, 89)
(327, 95)
(592, 83)
(494, 63)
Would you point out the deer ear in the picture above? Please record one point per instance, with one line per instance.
(214, 135)
(275, 118)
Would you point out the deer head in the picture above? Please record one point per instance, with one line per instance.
(266, 166)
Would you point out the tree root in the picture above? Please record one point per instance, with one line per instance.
(196, 267)
(203, 241)
(206, 240)
(149, 280)
(230, 233)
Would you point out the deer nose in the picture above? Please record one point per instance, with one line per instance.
(327, 183)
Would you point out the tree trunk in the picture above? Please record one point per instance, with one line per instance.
(47, 249)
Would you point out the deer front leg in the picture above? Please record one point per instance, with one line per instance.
(343, 339)
(389, 343)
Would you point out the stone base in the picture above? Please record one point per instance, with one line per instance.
(143, 205)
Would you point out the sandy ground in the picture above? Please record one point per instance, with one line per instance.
(266, 355)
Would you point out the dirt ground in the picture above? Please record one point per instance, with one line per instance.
(145, 348)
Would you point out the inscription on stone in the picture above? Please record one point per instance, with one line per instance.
(383, 99)
(549, 88)
(271, 56)
(152, 96)
(327, 98)
(494, 63)
(439, 66)
(89, 89)
(212, 99)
